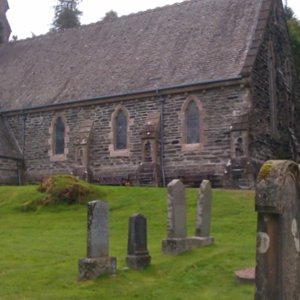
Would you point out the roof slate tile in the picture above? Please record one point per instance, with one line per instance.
(186, 43)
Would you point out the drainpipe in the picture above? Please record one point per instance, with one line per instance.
(23, 137)
(18, 163)
(162, 166)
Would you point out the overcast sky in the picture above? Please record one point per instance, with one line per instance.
(34, 17)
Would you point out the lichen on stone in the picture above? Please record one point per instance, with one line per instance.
(265, 170)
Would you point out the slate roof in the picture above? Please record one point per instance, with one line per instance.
(184, 43)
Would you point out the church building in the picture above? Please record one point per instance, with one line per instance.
(202, 89)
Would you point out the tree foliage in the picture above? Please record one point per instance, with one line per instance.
(110, 15)
(294, 32)
(66, 14)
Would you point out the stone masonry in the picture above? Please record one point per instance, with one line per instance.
(246, 108)
(192, 166)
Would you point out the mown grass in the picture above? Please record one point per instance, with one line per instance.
(39, 250)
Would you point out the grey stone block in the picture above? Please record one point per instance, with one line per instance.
(89, 268)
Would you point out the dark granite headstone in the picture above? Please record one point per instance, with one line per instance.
(137, 255)
(277, 203)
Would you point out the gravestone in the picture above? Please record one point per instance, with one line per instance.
(176, 241)
(137, 255)
(203, 215)
(203, 210)
(278, 219)
(98, 262)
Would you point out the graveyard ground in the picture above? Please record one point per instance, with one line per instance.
(39, 249)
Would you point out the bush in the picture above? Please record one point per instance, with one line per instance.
(64, 189)
(67, 189)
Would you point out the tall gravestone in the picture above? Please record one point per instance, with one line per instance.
(98, 262)
(203, 215)
(176, 241)
(137, 253)
(203, 210)
(278, 218)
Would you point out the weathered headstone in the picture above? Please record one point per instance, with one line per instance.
(176, 222)
(176, 241)
(277, 203)
(203, 215)
(203, 210)
(137, 255)
(97, 262)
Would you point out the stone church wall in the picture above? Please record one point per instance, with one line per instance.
(8, 171)
(274, 83)
(220, 107)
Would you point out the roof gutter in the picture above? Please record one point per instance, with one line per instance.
(164, 90)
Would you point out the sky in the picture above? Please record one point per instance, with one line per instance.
(34, 17)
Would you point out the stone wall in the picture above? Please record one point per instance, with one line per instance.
(274, 85)
(8, 171)
(221, 106)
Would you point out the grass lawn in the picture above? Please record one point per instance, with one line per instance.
(39, 250)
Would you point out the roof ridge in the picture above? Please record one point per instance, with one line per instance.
(83, 26)
(257, 36)
(149, 10)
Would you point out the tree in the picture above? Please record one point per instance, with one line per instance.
(294, 32)
(66, 14)
(110, 15)
(289, 13)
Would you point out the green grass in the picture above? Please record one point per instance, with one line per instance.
(39, 250)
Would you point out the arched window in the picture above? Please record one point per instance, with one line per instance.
(192, 122)
(59, 136)
(120, 130)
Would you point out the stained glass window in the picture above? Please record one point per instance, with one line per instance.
(192, 123)
(59, 136)
(121, 130)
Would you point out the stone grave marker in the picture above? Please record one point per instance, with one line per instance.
(277, 204)
(176, 222)
(203, 210)
(203, 215)
(98, 262)
(137, 255)
(177, 241)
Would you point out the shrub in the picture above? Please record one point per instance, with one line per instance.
(67, 189)
(64, 189)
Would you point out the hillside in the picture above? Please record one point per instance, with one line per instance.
(40, 249)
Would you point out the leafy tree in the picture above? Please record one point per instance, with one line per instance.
(110, 15)
(294, 32)
(289, 13)
(66, 14)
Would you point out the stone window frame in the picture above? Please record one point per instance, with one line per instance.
(182, 118)
(51, 141)
(112, 124)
